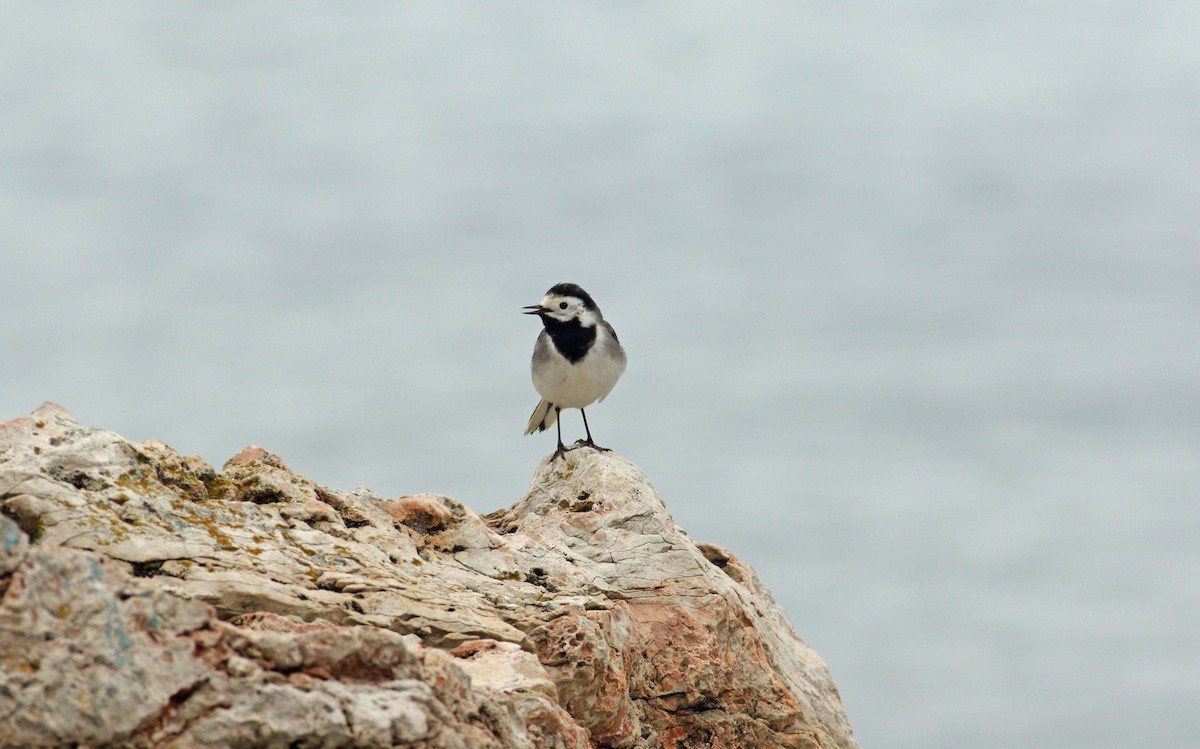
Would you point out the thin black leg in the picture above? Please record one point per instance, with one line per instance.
(558, 421)
(588, 430)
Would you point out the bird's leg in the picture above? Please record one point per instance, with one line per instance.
(561, 448)
(588, 441)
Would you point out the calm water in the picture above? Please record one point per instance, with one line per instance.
(910, 296)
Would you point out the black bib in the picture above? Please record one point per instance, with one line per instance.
(570, 338)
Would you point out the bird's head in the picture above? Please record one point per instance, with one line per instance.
(564, 303)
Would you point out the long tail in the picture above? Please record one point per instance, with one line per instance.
(543, 417)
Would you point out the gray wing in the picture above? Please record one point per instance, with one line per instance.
(541, 350)
(613, 343)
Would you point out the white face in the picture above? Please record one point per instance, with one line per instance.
(566, 308)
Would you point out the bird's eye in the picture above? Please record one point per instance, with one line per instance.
(562, 305)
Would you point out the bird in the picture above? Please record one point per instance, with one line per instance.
(577, 360)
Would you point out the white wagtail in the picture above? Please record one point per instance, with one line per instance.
(576, 361)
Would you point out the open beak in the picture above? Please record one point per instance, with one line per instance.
(534, 309)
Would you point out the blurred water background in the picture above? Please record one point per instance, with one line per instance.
(910, 293)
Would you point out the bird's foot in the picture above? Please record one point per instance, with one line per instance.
(562, 451)
(593, 445)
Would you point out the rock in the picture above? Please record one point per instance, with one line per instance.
(148, 600)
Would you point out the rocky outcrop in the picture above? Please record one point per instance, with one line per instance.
(148, 600)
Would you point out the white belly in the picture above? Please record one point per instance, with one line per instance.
(568, 385)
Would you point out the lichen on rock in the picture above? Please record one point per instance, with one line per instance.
(150, 600)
